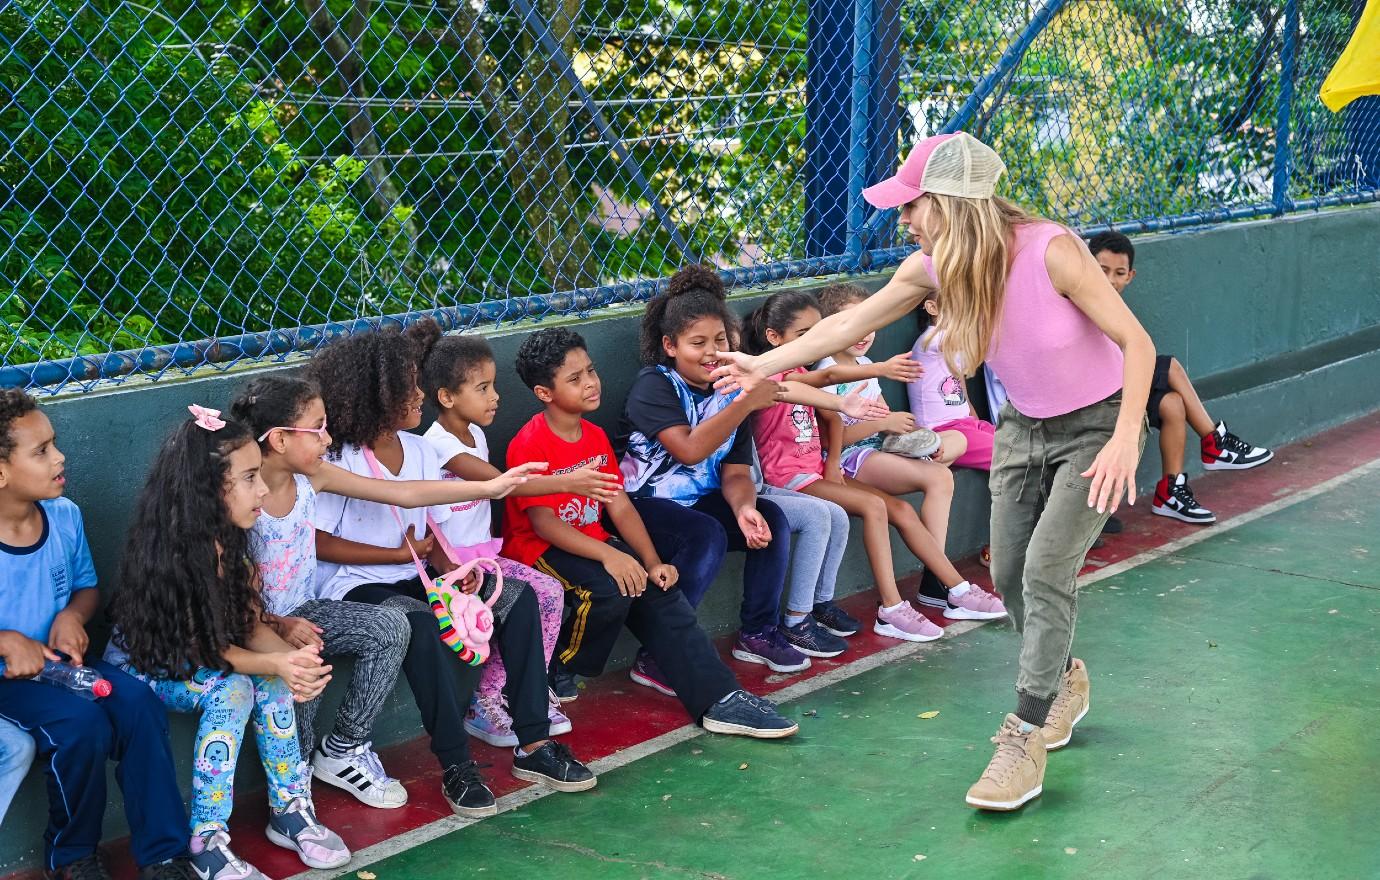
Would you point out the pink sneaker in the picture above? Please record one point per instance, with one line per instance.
(905, 623)
(488, 719)
(560, 722)
(973, 604)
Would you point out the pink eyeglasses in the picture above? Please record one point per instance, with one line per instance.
(319, 432)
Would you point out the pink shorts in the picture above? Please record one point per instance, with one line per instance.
(980, 436)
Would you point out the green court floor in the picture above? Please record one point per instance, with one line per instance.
(1233, 734)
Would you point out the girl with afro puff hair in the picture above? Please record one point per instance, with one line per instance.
(369, 386)
(190, 624)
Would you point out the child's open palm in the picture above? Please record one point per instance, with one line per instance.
(863, 409)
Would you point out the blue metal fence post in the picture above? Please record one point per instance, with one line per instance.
(1285, 106)
(860, 128)
(829, 54)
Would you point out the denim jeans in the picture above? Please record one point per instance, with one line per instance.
(16, 754)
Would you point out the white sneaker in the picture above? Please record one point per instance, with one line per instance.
(360, 773)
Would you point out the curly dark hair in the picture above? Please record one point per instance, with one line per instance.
(694, 292)
(542, 353)
(273, 402)
(187, 589)
(836, 296)
(14, 404)
(366, 380)
(776, 313)
(451, 361)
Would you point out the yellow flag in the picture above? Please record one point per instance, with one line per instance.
(1357, 73)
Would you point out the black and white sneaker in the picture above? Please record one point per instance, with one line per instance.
(466, 792)
(1174, 499)
(932, 591)
(563, 684)
(554, 766)
(1224, 451)
(360, 772)
(835, 619)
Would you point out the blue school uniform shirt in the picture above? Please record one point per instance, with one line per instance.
(36, 582)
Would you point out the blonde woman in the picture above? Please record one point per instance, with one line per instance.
(1025, 296)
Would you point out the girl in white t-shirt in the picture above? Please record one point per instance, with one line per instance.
(369, 385)
(288, 417)
(458, 379)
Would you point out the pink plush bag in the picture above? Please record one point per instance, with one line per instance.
(466, 621)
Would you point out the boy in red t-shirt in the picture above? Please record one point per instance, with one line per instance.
(612, 581)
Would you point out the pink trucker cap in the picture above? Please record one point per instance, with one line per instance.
(955, 164)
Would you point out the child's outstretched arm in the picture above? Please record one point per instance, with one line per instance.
(899, 422)
(588, 481)
(902, 368)
(627, 572)
(330, 548)
(633, 531)
(420, 493)
(691, 446)
(741, 494)
(853, 405)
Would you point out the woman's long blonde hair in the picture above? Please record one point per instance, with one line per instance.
(972, 257)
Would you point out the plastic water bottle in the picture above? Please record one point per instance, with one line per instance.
(83, 681)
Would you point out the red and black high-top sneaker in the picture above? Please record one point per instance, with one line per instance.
(1224, 451)
(1174, 499)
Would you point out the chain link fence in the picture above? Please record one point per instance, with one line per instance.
(185, 184)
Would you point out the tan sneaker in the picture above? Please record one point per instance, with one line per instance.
(1070, 705)
(1016, 774)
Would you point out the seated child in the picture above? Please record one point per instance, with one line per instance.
(50, 595)
(459, 380)
(289, 418)
(1174, 406)
(363, 556)
(616, 581)
(939, 399)
(863, 460)
(189, 623)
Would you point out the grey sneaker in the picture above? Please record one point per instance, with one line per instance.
(295, 828)
(920, 443)
(216, 861)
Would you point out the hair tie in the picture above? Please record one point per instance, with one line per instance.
(206, 418)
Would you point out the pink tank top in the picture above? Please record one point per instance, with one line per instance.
(1050, 356)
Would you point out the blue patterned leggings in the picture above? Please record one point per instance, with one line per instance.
(227, 702)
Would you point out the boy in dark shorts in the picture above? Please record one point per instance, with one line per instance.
(1174, 407)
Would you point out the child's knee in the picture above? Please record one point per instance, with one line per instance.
(900, 513)
(231, 690)
(389, 629)
(1172, 407)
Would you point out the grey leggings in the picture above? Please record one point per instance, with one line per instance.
(1042, 529)
(819, 535)
(377, 638)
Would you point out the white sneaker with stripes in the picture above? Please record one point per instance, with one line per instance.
(360, 773)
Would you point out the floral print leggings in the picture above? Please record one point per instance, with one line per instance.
(227, 702)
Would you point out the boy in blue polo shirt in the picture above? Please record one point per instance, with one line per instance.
(47, 595)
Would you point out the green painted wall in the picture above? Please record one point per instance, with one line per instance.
(1280, 319)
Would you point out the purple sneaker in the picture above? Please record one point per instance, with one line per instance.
(905, 623)
(560, 722)
(771, 649)
(646, 673)
(488, 719)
